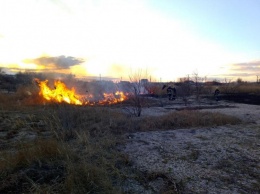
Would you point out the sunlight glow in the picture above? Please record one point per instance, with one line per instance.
(106, 33)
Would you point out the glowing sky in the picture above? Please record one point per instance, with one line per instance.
(166, 38)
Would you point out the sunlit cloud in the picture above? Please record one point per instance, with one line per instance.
(249, 66)
(60, 62)
(246, 70)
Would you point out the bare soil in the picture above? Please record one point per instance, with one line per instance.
(223, 159)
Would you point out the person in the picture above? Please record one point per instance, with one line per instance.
(216, 94)
(171, 91)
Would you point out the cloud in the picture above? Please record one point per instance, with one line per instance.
(253, 67)
(238, 75)
(246, 70)
(60, 62)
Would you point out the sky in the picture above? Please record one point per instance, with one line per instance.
(165, 39)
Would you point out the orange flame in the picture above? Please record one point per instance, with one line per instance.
(62, 94)
(110, 98)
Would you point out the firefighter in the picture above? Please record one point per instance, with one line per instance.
(171, 92)
(216, 94)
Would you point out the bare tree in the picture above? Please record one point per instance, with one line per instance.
(136, 100)
(198, 85)
(185, 89)
(228, 87)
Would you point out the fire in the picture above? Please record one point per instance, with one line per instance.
(61, 93)
(110, 98)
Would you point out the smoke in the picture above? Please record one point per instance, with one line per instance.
(59, 62)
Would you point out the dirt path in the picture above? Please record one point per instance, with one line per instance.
(223, 159)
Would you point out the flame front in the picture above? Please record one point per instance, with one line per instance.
(60, 94)
(110, 98)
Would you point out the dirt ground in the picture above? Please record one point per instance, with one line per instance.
(223, 159)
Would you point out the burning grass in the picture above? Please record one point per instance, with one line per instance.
(61, 93)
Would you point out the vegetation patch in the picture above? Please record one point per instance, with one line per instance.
(188, 119)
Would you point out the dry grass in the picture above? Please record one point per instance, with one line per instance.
(81, 156)
(188, 119)
(29, 152)
(240, 88)
(22, 168)
(248, 88)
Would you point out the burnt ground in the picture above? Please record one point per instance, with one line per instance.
(224, 159)
(246, 98)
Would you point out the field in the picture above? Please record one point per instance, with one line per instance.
(205, 147)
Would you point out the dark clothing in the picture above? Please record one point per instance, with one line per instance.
(171, 93)
(216, 94)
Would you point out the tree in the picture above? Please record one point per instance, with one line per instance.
(136, 87)
(185, 89)
(239, 80)
(198, 85)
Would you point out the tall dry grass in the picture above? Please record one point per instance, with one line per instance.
(251, 88)
(29, 152)
(188, 119)
(31, 163)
